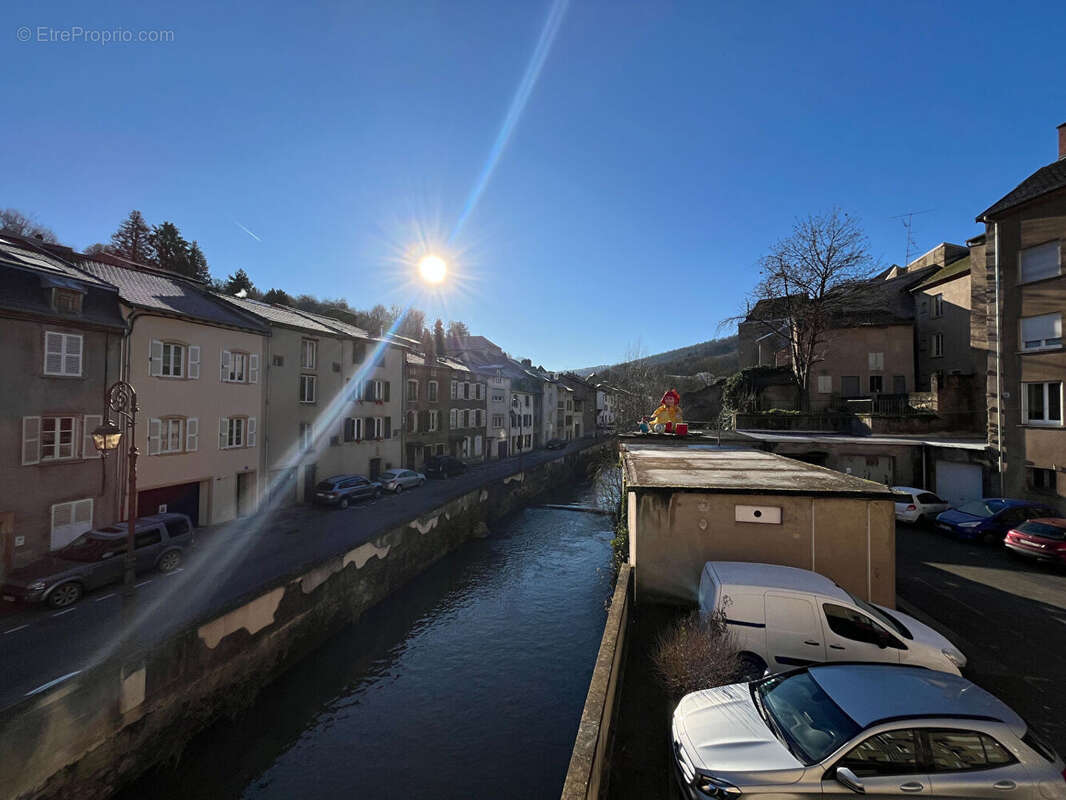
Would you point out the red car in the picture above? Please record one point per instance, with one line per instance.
(1043, 538)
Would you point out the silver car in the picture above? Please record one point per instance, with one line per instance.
(880, 730)
(396, 480)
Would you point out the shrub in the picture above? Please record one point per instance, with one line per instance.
(696, 652)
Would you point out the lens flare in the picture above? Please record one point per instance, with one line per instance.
(433, 269)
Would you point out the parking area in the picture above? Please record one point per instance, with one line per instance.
(1006, 614)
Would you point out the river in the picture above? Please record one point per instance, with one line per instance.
(467, 683)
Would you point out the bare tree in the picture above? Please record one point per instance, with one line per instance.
(806, 280)
(15, 222)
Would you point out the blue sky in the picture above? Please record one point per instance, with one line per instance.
(662, 149)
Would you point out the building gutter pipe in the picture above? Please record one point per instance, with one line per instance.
(999, 372)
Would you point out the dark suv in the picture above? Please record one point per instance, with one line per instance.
(95, 559)
(342, 490)
(444, 467)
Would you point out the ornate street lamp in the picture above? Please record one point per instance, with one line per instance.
(122, 400)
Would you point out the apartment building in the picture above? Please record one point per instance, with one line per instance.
(467, 412)
(498, 410)
(61, 340)
(584, 404)
(426, 409)
(1020, 291)
(605, 396)
(521, 419)
(196, 363)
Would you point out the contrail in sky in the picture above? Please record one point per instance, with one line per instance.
(525, 88)
(247, 231)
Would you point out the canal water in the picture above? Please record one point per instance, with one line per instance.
(467, 683)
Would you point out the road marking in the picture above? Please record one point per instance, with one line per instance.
(50, 684)
(98, 599)
(142, 583)
(61, 613)
(18, 628)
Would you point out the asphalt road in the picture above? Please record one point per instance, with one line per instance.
(39, 646)
(1008, 616)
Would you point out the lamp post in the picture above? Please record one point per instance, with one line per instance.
(122, 400)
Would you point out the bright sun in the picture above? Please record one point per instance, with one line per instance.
(432, 269)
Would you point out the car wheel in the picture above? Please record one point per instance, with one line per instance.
(169, 561)
(750, 667)
(66, 594)
(399, 488)
(988, 538)
(344, 502)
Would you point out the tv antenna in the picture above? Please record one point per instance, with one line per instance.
(906, 218)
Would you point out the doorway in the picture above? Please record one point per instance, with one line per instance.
(245, 493)
(501, 449)
(375, 468)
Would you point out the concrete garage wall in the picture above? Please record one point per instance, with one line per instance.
(672, 534)
(86, 737)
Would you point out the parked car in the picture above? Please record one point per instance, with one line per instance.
(396, 480)
(851, 729)
(988, 520)
(343, 490)
(555, 444)
(784, 617)
(444, 467)
(96, 558)
(918, 506)
(1043, 538)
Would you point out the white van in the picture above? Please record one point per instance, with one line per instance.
(783, 617)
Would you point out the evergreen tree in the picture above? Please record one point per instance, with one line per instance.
(198, 263)
(457, 330)
(438, 338)
(278, 296)
(171, 249)
(237, 281)
(133, 240)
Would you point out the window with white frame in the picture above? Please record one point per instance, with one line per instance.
(308, 353)
(497, 397)
(479, 391)
(453, 416)
(479, 420)
(938, 305)
(876, 361)
(307, 388)
(66, 301)
(825, 384)
(431, 391)
(1042, 403)
(166, 435)
(497, 420)
(938, 345)
(236, 432)
(70, 520)
(306, 435)
(1037, 263)
(57, 438)
(412, 422)
(379, 427)
(238, 367)
(434, 420)
(62, 354)
(1042, 333)
(412, 391)
(167, 359)
(379, 390)
(455, 390)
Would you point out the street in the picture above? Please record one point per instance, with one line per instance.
(40, 646)
(1007, 615)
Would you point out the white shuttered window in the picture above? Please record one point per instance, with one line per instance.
(62, 354)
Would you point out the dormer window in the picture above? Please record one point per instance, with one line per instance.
(66, 301)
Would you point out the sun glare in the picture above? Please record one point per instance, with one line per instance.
(432, 269)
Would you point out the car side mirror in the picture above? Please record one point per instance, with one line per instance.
(846, 777)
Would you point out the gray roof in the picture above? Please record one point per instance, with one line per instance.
(871, 692)
(15, 253)
(732, 470)
(279, 315)
(169, 294)
(336, 324)
(1047, 179)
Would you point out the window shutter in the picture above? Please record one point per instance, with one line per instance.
(388, 427)
(251, 432)
(31, 440)
(194, 361)
(89, 423)
(155, 358)
(53, 353)
(223, 430)
(83, 513)
(192, 434)
(253, 368)
(225, 365)
(368, 428)
(155, 428)
(385, 397)
(453, 415)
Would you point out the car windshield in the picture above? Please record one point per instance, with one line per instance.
(803, 716)
(982, 508)
(390, 475)
(90, 547)
(883, 616)
(1043, 530)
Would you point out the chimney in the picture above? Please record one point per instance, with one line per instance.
(1062, 141)
(527, 362)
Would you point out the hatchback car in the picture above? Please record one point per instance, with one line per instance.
(555, 444)
(1041, 538)
(988, 520)
(444, 467)
(343, 490)
(96, 558)
(918, 505)
(853, 729)
(396, 480)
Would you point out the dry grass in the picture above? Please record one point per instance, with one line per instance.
(697, 652)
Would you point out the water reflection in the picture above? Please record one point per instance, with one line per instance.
(469, 682)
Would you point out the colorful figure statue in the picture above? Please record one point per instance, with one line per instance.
(667, 416)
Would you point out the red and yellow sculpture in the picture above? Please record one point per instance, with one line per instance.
(667, 417)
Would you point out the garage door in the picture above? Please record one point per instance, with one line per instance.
(183, 498)
(958, 483)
